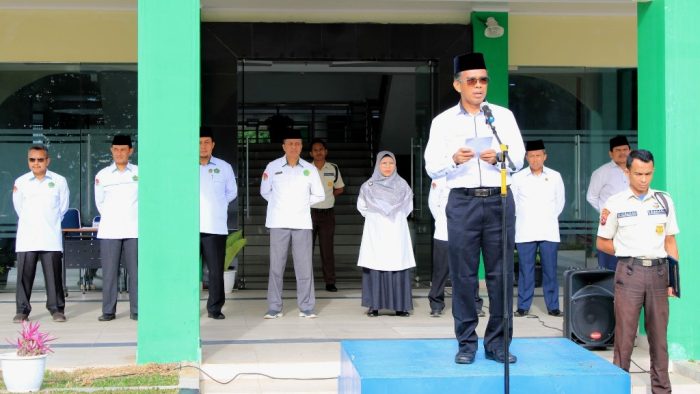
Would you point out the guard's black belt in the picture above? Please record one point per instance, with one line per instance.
(646, 262)
(481, 191)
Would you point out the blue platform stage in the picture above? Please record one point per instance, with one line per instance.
(545, 365)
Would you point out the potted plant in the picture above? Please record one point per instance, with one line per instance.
(23, 370)
(234, 244)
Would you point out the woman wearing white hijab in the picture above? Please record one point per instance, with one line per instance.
(386, 252)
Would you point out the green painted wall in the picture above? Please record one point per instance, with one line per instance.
(168, 107)
(495, 52)
(669, 61)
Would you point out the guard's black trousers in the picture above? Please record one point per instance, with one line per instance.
(474, 227)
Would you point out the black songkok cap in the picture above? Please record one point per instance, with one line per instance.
(205, 131)
(534, 145)
(291, 133)
(122, 139)
(618, 140)
(469, 61)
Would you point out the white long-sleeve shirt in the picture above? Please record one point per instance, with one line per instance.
(449, 132)
(607, 180)
(40, 206)
(290, 192)
(437, 202)
(539, 200)
(117, 200)
(217, 188)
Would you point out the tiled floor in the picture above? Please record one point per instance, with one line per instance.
(289, 347)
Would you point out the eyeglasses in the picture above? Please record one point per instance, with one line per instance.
(473, 81)
(37, 159)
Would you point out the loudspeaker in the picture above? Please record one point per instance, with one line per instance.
(589, 312)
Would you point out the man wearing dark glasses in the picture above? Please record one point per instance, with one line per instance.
(40, 198)
(462, 148)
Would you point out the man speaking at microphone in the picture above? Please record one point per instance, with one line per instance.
(462, 147)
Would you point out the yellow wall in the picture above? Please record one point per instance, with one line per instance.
(585, 41)
(94, 36)
(70, 36)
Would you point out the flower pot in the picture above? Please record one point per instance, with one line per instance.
(229, 281)
(22, 374)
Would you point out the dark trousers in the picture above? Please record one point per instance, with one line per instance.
(114, 252)
(637, 286)
(607, 261)
(474, 227)
(441, 271)
(53, 280)
(324, 227)
(212, 247)
(527, 255)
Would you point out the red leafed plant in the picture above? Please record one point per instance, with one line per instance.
(31, 341)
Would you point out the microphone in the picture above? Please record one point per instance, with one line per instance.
(487, 112)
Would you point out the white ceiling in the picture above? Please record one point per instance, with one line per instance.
(428, 11)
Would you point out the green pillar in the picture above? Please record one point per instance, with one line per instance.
(168, 108)
(668, 117)
(495, 52)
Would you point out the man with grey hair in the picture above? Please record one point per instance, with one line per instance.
(40, 198)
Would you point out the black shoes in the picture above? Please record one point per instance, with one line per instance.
(58, 317)
(106, 317)
(134, 316)
(465, 358)
(20, 317)
(216, 316)
(402, 313)
(498, 356)
(521, 313)
(436, 313)
(331, 287)
(555, 313)
(372, 313)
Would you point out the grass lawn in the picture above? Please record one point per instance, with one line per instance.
(146, 377)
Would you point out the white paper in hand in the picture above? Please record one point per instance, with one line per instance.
(479, 144)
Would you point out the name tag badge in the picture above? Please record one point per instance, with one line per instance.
(627, 214)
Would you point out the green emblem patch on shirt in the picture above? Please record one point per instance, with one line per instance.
(135, 178)
(306, 172)
(51, 184)
(210, 170)
(216, 171)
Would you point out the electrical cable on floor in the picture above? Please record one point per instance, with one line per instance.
(531, 316)
(251, 374)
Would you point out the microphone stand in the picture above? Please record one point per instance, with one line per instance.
(504, 272)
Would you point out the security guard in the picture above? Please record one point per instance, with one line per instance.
(291, 185)
(609, 179)
(474, 206)
(116, 198)
(638, 226)
(217, 188)
(40, 198)
(322, 214)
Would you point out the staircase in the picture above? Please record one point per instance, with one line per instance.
(354, 162)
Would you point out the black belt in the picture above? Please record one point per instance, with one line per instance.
(320, 210)
(481, 191)
(646, 262)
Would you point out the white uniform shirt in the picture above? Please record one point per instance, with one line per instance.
(290, 192)
(639, 228)
(217, 188)
(40, 206)
(330, 182)
(449, 132)
(117, 200)
(607, 180)
(437, 202)
(539, 200)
